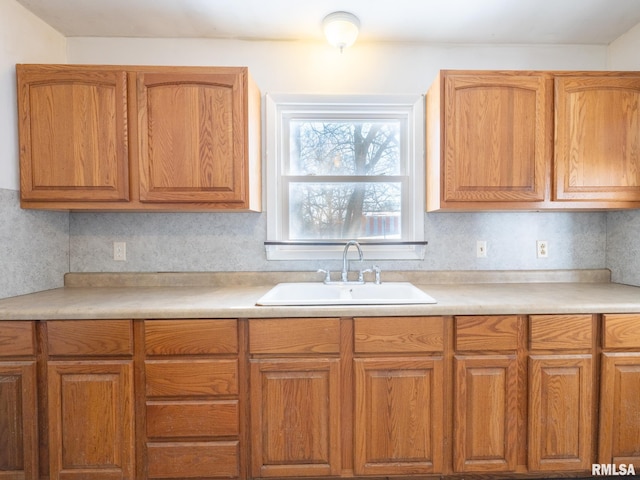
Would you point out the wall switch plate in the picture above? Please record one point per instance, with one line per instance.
(481, 249)
(120, 251)
(542, 249)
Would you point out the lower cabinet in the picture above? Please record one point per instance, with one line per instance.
(91, 428)
(18, 402)
(506, 395)
(619, 441)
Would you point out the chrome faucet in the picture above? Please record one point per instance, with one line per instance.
(345, 261)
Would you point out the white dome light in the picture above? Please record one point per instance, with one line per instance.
(341, 29)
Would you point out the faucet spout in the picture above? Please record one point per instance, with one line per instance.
(345, 261)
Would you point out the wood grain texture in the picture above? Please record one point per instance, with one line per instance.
(89, 337)
(475, 333)
(91, 424)
(295, 417)
(193, 460)
(73, 134)
(190, 337)
(560, 332)
(191, 377)
(485, 413)
(398, 416)
(560, 412)
(18, 421)
(17, 339)
(619, 436)
(192, 418)
(294, 335)
(496, 136)
(597, 153)
(398, 334)
(621, 331)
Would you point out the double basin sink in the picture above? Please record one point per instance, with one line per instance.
(311, 293)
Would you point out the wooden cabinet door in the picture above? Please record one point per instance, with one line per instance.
(192, 137)
(295, 417)
(597, 153)
(18, 425)
(560, 412)
(619, 440)
(73, 134)
(497, 137)
(485, 413)
(398, 416)
(91, 419)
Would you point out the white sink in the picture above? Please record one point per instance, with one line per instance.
(311, 293)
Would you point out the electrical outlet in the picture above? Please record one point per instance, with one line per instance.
(120, 251)
(542, 249)
(481, 249)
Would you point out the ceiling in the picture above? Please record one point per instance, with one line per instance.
(596, 22)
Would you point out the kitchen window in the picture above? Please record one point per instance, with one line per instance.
(342, 168)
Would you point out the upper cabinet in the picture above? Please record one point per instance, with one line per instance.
(139, 138)
(530, 140)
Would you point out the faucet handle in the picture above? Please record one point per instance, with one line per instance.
(377, 270)
(327, 274)
(361, 274)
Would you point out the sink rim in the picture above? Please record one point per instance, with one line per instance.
(341, 294)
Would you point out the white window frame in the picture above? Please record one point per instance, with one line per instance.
(408, 108)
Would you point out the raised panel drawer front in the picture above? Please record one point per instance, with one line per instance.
(474, 333)
(16, 339)
(207, 418)
(398, 334)
(181, 460)
(561, 332)
(190, 337)
(174, 378)
(89, 337)
(622, 331)
(294, 335)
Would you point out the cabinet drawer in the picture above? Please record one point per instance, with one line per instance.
(560, 332)
(190, 337)
(398, 334)
(193, 460)
(89, 337)
(486, 332)
(16, 338)
(621, 330)
(294, 335)
(168, 378)
(192, 419)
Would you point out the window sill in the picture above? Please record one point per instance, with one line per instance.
(333, 250)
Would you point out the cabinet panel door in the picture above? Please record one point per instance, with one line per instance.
(18, 425)
(91, 419)
(398, 416)
(619, 403)
(191, 137)
(560, 412)
(597, 153)
(73, 134)
(497, 140)
(485, 413)
(295, 417)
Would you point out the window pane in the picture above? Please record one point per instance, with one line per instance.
(344, 147)
(344, 210)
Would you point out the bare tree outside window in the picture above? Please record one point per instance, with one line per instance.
(342, 181)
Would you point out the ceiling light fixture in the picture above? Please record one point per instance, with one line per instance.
(341, 29)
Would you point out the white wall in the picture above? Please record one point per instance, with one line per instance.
(34, 246)
(318, 68)
(24, 38)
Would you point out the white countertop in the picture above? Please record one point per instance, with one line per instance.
(100, 300)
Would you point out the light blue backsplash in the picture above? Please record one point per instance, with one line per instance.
(34, 247)
(623, 246)
(228, 242)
